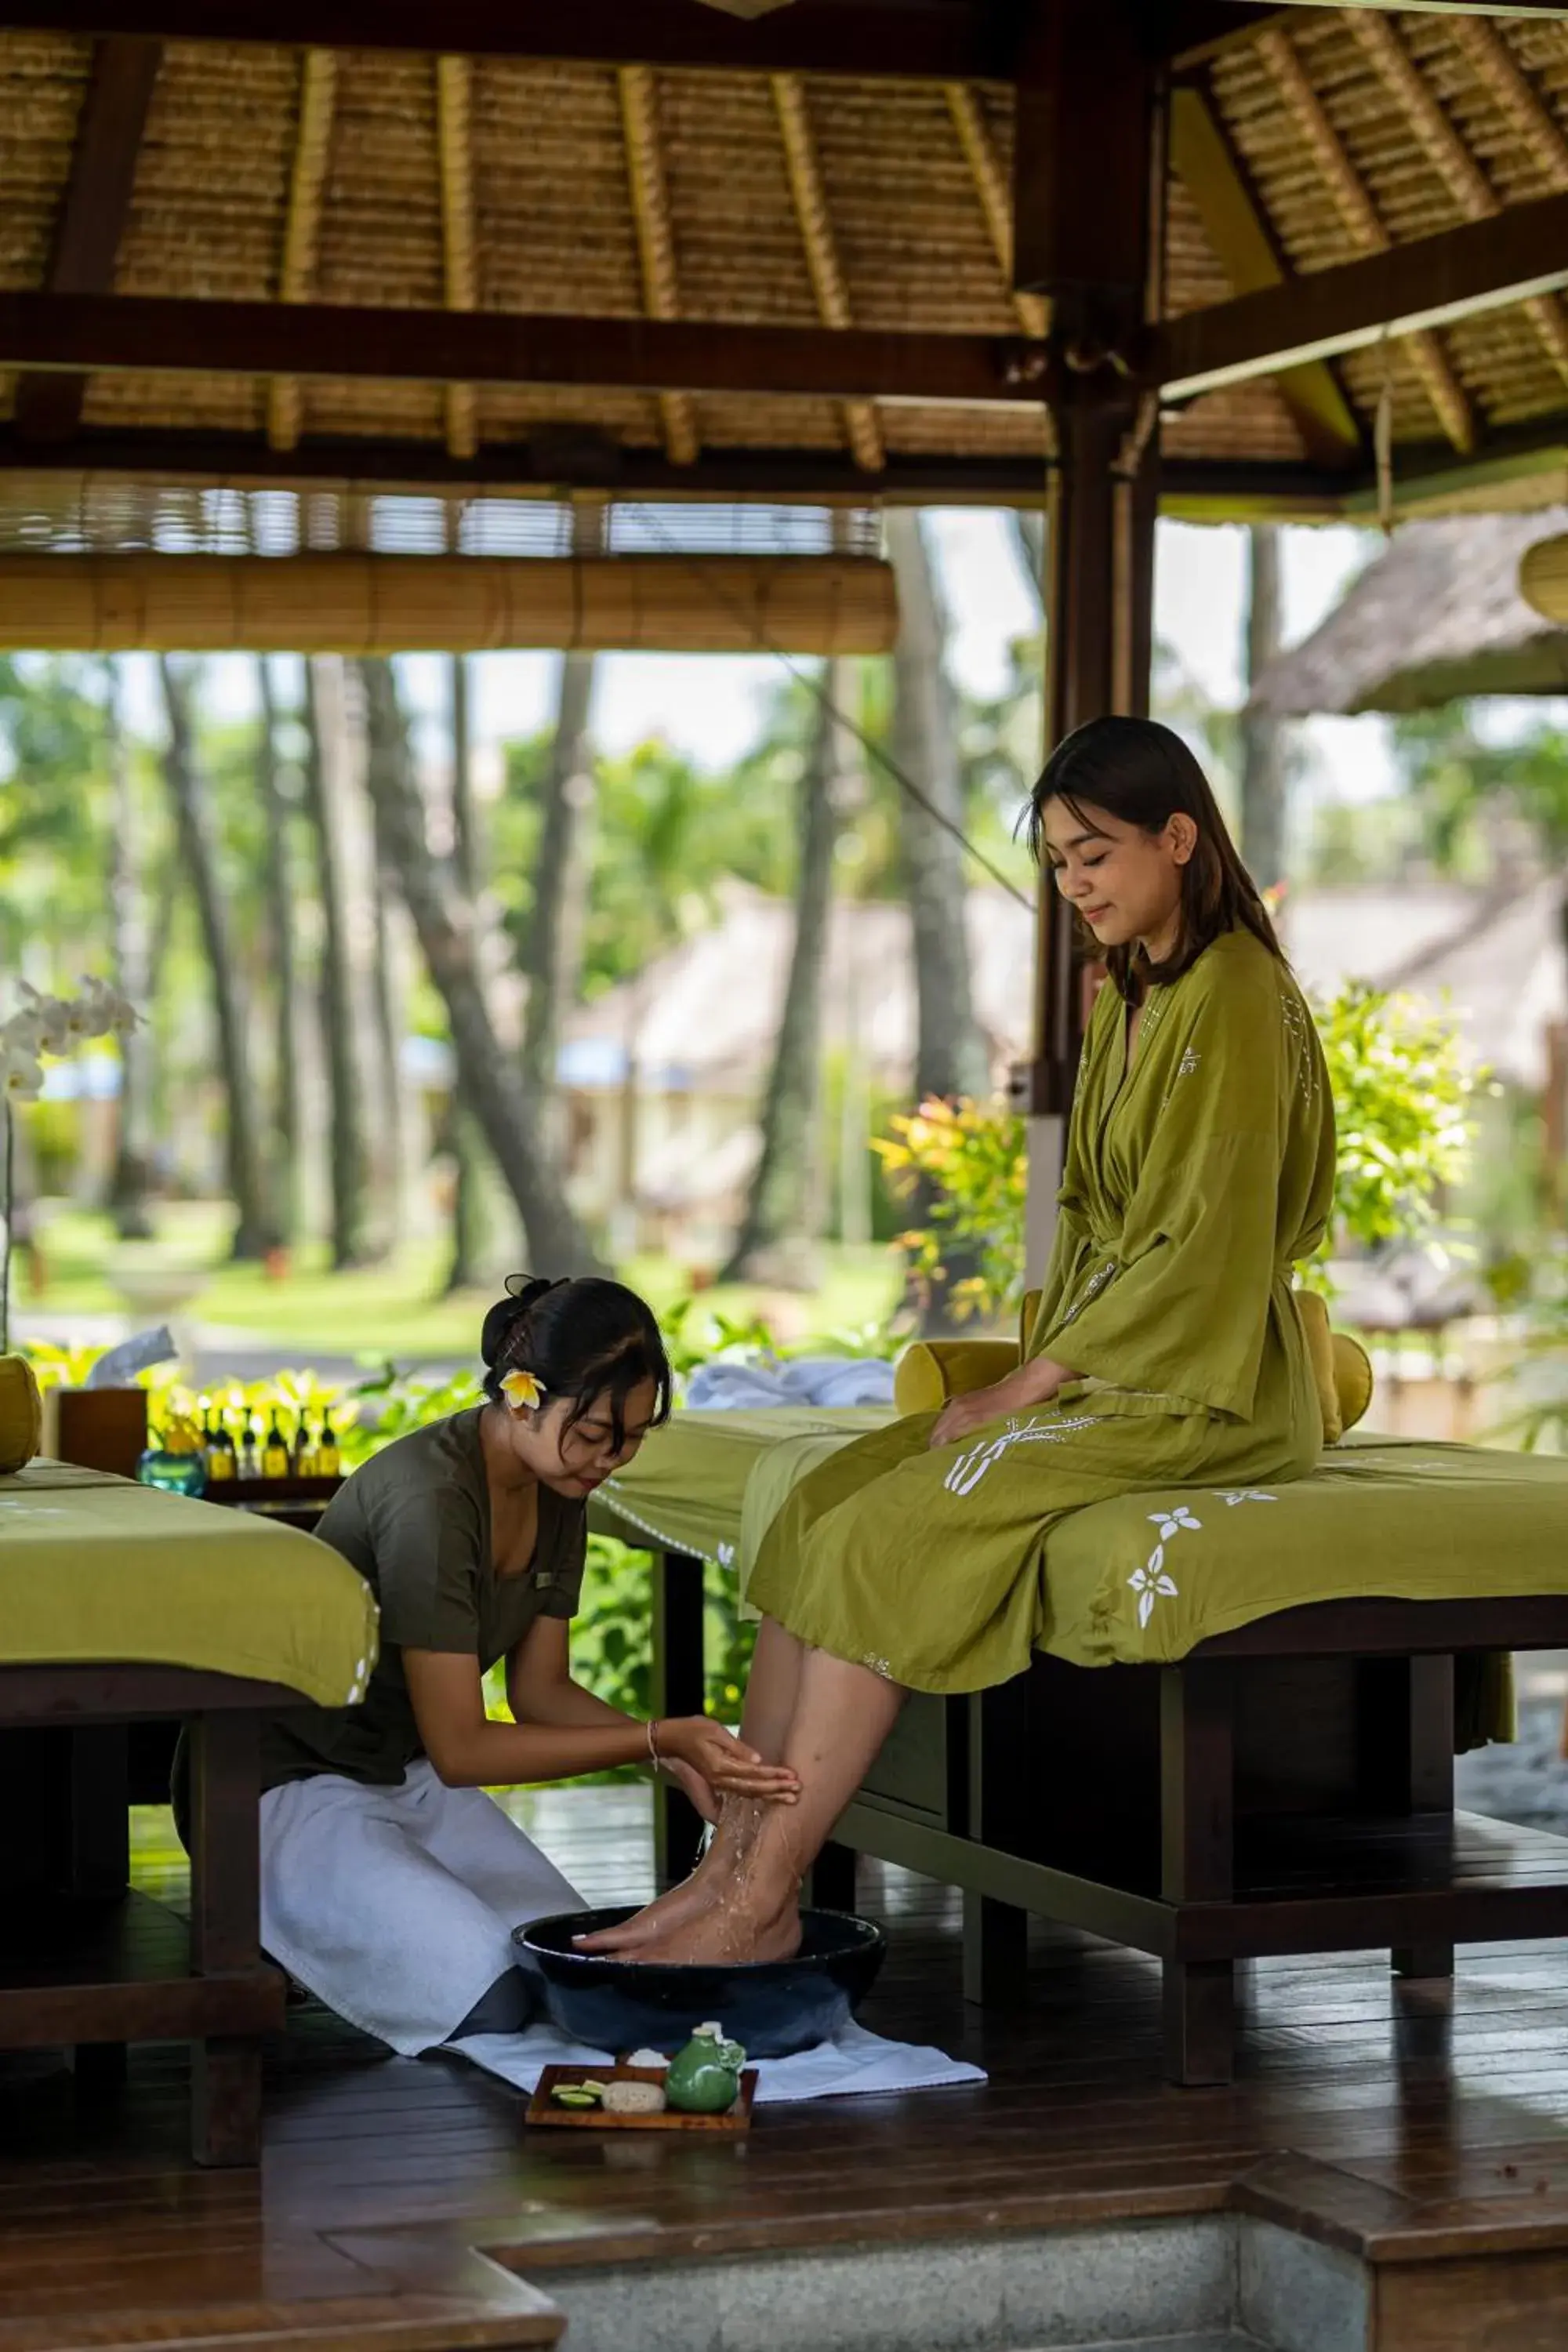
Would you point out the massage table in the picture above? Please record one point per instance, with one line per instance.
(1238, 1737)
(121, 1605)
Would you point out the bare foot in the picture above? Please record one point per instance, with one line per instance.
(726, 1935)
(667, 1915)
(714, 1876)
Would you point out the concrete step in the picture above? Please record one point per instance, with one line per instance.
(1203, 2283)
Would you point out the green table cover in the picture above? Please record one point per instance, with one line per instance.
(1148, 1575)
(95, 1570)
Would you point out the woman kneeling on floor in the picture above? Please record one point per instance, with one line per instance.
(390, 1882)
(1168, 1349)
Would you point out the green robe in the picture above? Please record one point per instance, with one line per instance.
(1195, 1181)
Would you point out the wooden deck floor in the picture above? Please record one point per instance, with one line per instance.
(1435, 2146)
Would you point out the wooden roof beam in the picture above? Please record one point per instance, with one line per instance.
(862, 429)
(560, 462)
(1397, 70)
(649, 191)
(173, 336)
(1359, 216)
(941, 40)
(93, 212)
(1204, 159)
(1407, 289)
(302, 222)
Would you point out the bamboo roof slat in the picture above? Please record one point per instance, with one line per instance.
(649, 193)
(454, 135)
(302, 222)
(862, 426)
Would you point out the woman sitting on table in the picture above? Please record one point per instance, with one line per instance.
(1167, 1350)
(390, 1882)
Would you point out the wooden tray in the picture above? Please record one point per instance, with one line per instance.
(541, 2108)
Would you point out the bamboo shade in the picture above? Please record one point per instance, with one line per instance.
(1543, 578)
(347, 603)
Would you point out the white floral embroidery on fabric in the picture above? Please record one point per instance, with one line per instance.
(1232, 1496)
(1188, 1064)
(1171, 1523)
(1151, 1582)
(970, 1468)
(878, 1666)
(1096, 1286)
(726, 1554)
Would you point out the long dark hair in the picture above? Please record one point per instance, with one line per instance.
(584, 1339)
(1141, 772)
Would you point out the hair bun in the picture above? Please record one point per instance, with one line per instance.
(524, 1293)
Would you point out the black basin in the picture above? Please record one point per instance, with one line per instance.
(770, 2006)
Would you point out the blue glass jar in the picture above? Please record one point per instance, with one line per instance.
(178, 1474)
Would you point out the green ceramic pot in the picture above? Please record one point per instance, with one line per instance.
(704, 2078)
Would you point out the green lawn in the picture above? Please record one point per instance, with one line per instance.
(393, 1309)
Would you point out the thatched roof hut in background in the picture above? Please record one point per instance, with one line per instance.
(1437, 617)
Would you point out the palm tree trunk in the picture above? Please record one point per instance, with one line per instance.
(1262, 759)
(492, 1087)
(468, 862)
(347, 1159)
(553, 958)
(278, 879)
(131, 954)
(950, 1052)
(198, 848)
(775, 1240)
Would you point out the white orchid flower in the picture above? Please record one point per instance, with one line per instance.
(21, 1076)
(22, 1034)
(105, 1012)
(58, 1024)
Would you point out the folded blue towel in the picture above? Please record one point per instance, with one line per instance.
(826, 1380)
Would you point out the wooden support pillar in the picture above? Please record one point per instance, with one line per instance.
(1091, 116)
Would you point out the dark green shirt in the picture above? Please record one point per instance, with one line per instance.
(415, 1522)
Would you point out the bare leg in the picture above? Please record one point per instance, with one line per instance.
(843, 1715)
(772, 1689)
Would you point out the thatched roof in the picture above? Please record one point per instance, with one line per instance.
(1307, 141)
(1438, 614)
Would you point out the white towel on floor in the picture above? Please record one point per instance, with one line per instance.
(395, 1906)
(853, 2061)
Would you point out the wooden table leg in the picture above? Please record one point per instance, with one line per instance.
(680, 1687)
(1196, 1803)
(1424, 1724)
(226, 1782)
(996, 1935)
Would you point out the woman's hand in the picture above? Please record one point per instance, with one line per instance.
(1034, 1383)
(725, 1765)
(961, 1414)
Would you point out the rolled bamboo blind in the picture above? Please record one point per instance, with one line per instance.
(348, 603)
(1543, 578)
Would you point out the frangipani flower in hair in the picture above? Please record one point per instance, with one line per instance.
(523, 1390)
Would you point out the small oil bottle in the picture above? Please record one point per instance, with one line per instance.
(275, 1452)
(328, 1460)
